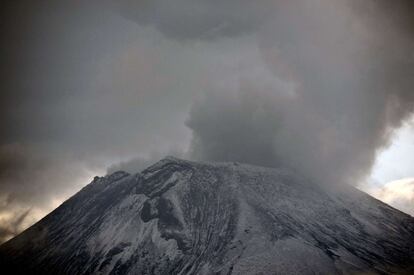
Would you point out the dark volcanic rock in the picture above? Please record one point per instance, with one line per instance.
(181, 217)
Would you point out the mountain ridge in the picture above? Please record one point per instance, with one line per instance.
(185, 217)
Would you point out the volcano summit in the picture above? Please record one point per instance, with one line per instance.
(182, 217)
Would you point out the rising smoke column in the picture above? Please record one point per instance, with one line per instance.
(349, 66)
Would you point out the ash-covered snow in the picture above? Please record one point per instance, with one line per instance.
(182, 217)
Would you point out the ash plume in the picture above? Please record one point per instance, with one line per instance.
(317, 85)
(349, 65)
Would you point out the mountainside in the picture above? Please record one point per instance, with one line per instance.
(182, 217)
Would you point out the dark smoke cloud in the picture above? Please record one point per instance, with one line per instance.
(138, 164)
(200, 19)
(351, 65)
(28, 174)
(82, 88)
(319, 86)
(78, 93)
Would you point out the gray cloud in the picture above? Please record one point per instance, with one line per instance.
(82, 88)
(352, 80)
(34, 182)
(13, 226)
(138, 164)
(200, 19)
(27, 175)
(315, 85)
(399, 193)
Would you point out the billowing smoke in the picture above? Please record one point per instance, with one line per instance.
(200, 19)
(316, 85)
(138, 164)
(343, 80)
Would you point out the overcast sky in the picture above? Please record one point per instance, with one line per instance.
(88, 87)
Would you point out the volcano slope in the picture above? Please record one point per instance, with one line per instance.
(182, 217)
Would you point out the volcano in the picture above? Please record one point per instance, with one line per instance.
(183, 217)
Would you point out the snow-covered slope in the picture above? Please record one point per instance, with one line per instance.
(181, 217)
